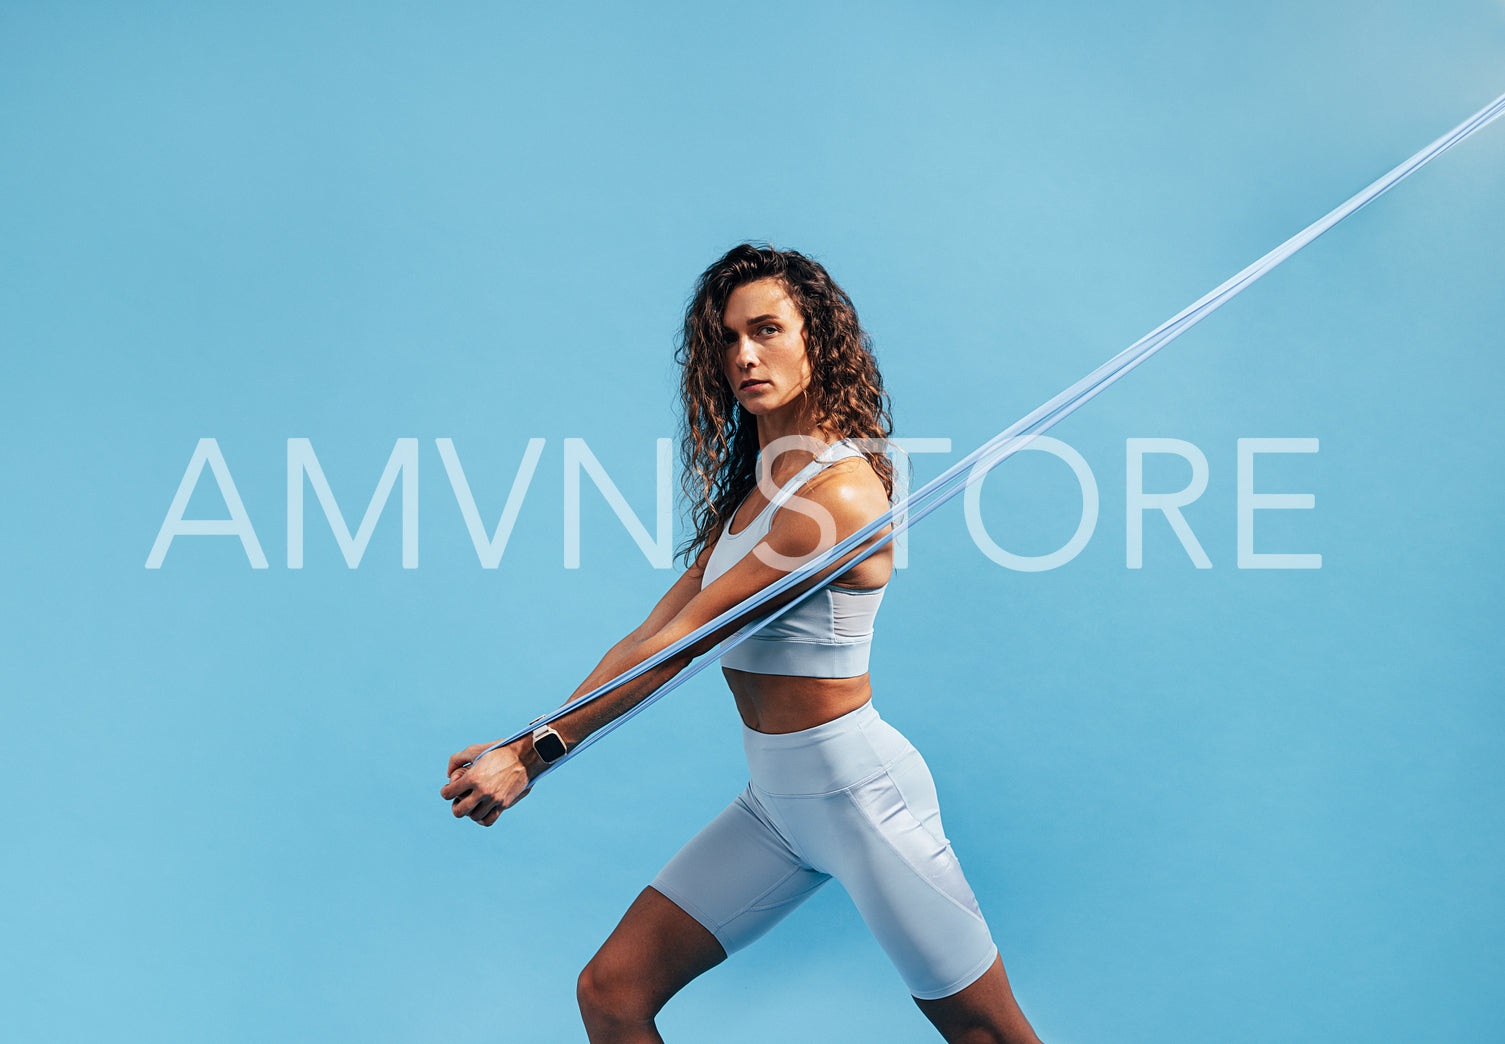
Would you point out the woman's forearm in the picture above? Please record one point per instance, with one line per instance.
(632, 650)
(625, 655)
(483, 780)
(617, 659)
(580, 723)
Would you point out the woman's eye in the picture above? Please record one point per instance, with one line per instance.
(768, 331)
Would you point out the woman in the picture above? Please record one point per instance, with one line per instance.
(778, 375)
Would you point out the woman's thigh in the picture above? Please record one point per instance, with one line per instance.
(728, 885)
(739, 876)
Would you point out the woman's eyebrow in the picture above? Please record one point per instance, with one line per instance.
(756, 320)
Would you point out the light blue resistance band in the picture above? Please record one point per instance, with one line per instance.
(972, 468)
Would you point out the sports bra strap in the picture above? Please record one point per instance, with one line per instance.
(839, 450)
(787, 490)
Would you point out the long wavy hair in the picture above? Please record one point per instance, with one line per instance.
(718, 437)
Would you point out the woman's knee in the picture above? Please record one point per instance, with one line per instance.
(655, 950)
(614, 991)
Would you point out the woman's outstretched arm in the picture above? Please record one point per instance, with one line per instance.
(510, 771)
(484, 788)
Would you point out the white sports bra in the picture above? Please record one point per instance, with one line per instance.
(829, 634)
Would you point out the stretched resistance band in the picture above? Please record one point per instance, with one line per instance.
(972, 468)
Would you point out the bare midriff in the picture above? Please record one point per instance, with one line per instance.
(785, 703)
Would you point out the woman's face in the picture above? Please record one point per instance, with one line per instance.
(764, 356)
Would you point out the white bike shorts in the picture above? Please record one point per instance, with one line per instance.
(853, 800)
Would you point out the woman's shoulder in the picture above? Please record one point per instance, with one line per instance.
(849, 487)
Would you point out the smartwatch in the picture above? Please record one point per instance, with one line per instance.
(549, 745)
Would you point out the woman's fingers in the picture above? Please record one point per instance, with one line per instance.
(496, 810)
(483, 789)
(461, 758)
(475, 802)
(464, 804)
(455, 787)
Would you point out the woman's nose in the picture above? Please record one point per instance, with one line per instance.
(746, 352)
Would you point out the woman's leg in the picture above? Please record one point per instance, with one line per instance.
(983, 1013)
(739, 877)
(655, 950)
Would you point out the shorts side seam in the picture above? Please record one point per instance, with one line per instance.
(755, 904)
(873, 824)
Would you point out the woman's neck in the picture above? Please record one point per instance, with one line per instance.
(785, 423)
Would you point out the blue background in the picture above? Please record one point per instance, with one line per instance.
(1231, 805)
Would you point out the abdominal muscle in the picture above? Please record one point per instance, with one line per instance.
(785, 703)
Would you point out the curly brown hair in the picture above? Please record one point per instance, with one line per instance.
(718, 437)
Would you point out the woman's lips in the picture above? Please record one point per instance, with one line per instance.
(751, 384)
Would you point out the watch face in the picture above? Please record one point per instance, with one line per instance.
(549, 746)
